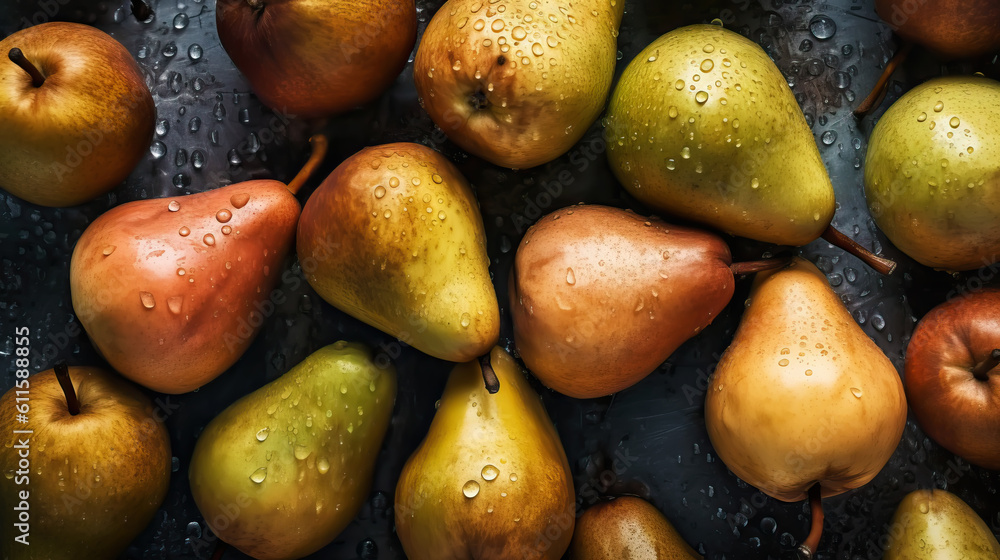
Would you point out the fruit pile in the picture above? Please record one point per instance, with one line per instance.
(306, 327)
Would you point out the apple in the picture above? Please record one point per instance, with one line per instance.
(315, 58)
(951, 376)
(75, 114)
(87, 471)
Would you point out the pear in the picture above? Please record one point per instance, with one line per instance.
(518, 83)
(802, 400)
(87, 471)
(627, 527)
(172, 291)
(938, 525)
(602, 296)
(702, 126)
(491, 480)
(936, 195)
(394, 238)
(282, 471)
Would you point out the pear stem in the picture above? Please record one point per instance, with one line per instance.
(874, 99)
(983, 368)
(881, 265)
(489, 376)
(142, 11)
(319, 145)
(809, 546)
(220, 549)
(750, 267)
(72, 402)
(17, 57)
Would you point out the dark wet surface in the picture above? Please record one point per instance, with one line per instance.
(649, 440)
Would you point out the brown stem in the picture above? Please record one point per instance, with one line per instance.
(877, 94)
(220, 549)
(809, 546)
(983, 368)
(17, 57)
(319, 144)
(489, 376)
(72, 402)
(750, 267)
(142, 11)
(879, 264)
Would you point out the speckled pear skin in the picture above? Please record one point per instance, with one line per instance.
(518, 82)
(282, 471)
(702, 126)
(394, 238)
(932, 174)
(938, 525)
(802, 395)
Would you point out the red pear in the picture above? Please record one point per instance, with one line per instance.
(172, 291)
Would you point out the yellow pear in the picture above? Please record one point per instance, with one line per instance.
(518, 82)
(702, 125)
(627, 527)
(491, 480)
(394, 238)
(802, 399)
(938, 525)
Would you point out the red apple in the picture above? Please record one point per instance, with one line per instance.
(952, 379)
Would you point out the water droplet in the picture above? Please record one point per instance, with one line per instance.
(783, 362)
(707, 65)
(954, 122)
(181, 272)
(147, 300)
(536, 49)
(471, 489)
(226, 230)
(259, 475)
(239, 200)
(209, 239)
(938, 107)
(671, 164)
(184, 231)
(223, 215)
(923, 507)
(828, 137)
(323, 465)
(490, 472)
(809, 372)
(922, 117)
(302, 452)
(262, 434)
(108, 250)
(158, 149)
(466, 320)
(497, 25)
(513, 477)
(195, 51)
(570, 277)
(180, 21)
(679, 85)
(856, 392)
(686, 152)
(822, 27)
(174, 206)
(174, 304)
(701, 96)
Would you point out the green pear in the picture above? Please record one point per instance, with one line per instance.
(87, 471)
(931, 175)
(702, 126)
(627, 527)
(394, 238)
(491, 480)
(803, 401)
(282, 471)
(520, 82)
(938, 525)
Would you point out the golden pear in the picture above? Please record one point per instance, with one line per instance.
(518, 82)
(491, 480)
(394, 238)
(938, 525)
(627, 527)
(802, 395)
